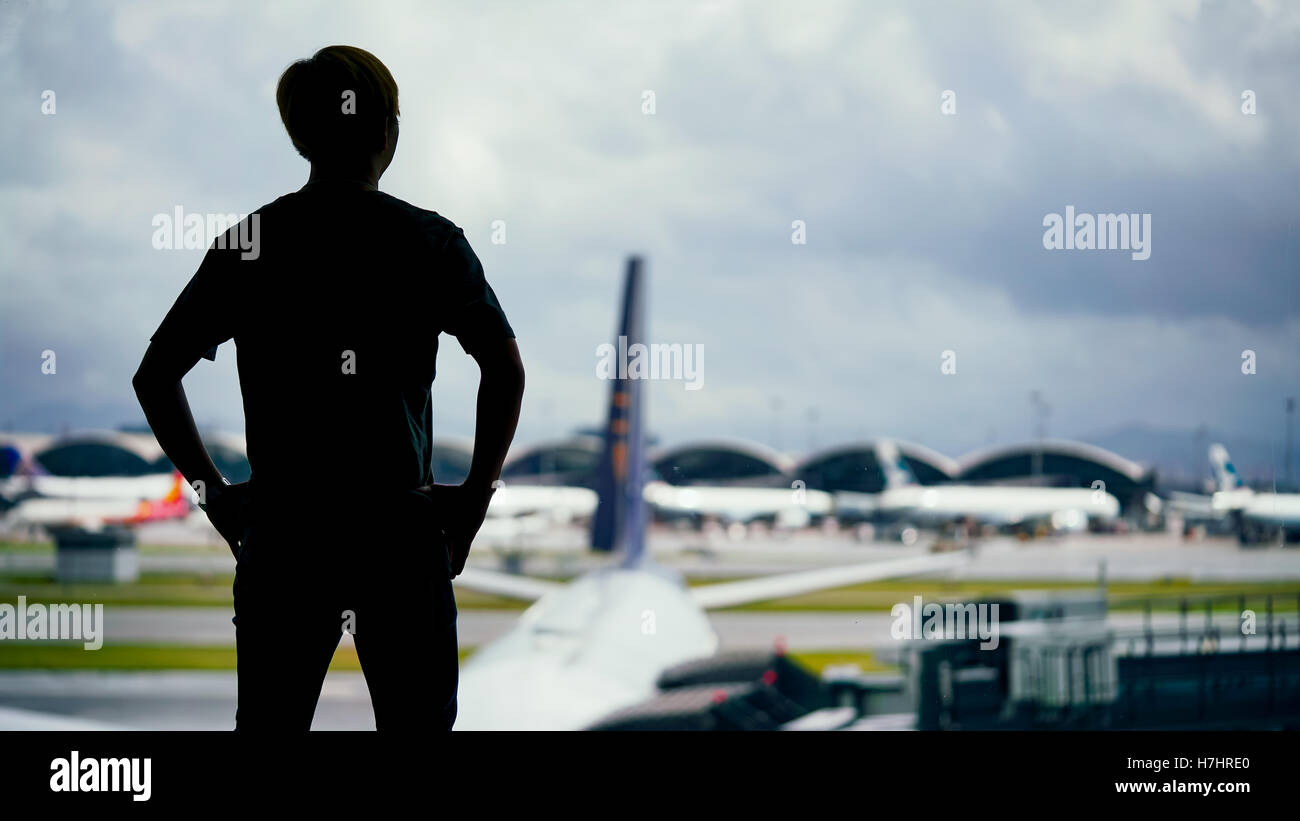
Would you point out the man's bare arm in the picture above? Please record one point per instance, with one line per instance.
(500, 394)
(158, 386)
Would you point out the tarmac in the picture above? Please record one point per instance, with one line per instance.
(203, 700)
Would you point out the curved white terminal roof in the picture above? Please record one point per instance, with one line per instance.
(1062, 447)
(141, 444)
(939, 461)
(146, 447)
(780, 462)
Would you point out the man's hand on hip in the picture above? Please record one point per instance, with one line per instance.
(460, 510)
(226, 506)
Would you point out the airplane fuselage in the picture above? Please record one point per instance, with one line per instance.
(993, 504)
(583, 651)
(786, 507)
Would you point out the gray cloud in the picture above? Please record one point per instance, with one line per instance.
(924, 230)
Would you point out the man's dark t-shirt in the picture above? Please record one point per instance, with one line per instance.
(336, 322)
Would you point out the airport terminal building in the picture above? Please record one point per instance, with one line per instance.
(1061, 463)
(854, 468)
(110, 453)
(573, 461)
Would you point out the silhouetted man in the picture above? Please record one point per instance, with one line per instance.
(336, 315)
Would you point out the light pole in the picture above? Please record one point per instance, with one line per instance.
(776, 423)
(1290, 416)
(1040, 429)
(1202, 437)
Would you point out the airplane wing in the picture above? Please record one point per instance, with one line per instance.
(504, 584)
(730, 594)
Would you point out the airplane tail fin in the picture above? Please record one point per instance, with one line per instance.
(174, 494)
(1225, 473)
(892, 465)
(169, 506)
(620, 520)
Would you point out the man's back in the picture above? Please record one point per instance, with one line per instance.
(336, 318)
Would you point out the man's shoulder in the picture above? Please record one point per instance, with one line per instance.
(434, 226)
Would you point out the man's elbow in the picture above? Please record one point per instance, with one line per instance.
(140, 381)
(147, 380)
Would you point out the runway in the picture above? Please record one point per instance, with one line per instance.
(738, 630)
(179, 700)
(211, 626)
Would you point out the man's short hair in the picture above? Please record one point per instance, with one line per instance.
(335, 104)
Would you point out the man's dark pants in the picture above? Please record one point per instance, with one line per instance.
(377, 566)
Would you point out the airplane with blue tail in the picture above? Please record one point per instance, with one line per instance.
(599, 643)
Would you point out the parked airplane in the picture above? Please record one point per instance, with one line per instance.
(530, 509)
(783, 508)
(557, 503)
(906, 501)
(523, 518)
(598, 644)
(1259, 517)
(27, 485)
(93, 502)
(1198, 511)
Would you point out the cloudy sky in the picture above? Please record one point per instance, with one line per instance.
(924, 229)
